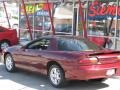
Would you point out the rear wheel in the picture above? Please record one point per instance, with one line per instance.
(56, 76)
(4, 44)
(9, 63)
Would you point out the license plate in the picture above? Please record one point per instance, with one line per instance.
(110, 72)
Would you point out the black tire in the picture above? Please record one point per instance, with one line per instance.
(9, 63)
(62, 82)
(4, 44)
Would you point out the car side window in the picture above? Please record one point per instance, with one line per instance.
(76, 45)
(69, 45)
(41, 44)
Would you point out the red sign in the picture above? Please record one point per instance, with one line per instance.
(101, 9)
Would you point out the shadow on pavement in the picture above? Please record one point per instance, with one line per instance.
(40, 82)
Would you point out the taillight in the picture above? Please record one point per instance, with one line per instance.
(118, 57)
(89, 61)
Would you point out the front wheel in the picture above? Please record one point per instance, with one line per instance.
(9, 63)
(56, 76)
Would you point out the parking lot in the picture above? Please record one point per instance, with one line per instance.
(22, 80)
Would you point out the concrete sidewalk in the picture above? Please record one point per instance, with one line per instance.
(22, 80)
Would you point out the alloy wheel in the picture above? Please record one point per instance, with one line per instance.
(55, 76)
(9, 63)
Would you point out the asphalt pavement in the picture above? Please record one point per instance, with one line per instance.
(22, 80)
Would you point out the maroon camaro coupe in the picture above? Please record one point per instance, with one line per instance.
(63, 58)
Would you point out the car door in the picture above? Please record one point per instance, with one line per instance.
(31, 56)
(40, 49)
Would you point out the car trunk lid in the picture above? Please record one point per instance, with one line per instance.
(100, 57)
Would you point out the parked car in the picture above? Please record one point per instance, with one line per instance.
(8, 37)
(63, 58)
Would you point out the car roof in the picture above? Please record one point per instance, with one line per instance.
(58, 37)
(62, 36)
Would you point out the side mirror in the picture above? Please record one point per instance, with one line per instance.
(23, 48)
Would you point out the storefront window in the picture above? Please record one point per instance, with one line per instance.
(117, 45)
(63, 18)
(24, 32)
(100, 17)
(38, 18)
(42, 20)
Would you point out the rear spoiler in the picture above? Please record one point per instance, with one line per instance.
(100, 53)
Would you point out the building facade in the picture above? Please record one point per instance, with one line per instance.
(101, 17)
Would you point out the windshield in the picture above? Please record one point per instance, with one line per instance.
(66, 44)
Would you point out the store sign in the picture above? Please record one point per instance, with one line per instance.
(42, 13)
(98, 10)
(39, 8)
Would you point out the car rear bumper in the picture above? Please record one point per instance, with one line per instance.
(93, 72)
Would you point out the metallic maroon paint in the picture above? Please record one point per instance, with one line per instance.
(37, 61)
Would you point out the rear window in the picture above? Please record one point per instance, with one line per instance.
(66, 44)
